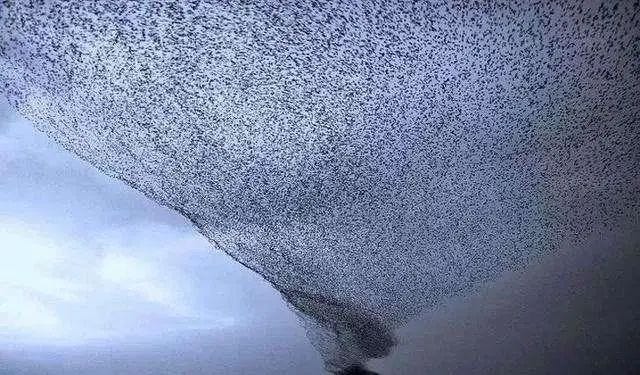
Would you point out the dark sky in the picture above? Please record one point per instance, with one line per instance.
(575, 312)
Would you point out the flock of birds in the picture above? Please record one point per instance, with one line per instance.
(368, 158)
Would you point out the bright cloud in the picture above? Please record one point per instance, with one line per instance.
(142, 278)
(84, 257)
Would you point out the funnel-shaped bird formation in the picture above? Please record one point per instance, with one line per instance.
(367, 158)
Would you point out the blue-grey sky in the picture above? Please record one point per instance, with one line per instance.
(89, 262)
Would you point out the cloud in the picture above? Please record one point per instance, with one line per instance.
(143, 279)
(24, 315)
(28, 283)
(31, 261)
(53, 288)
(86, 257)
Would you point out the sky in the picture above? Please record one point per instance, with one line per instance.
(88, 262)
(95, 278)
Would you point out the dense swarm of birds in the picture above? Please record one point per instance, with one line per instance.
(367, 158)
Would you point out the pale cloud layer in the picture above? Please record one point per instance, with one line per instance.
(86, 258)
